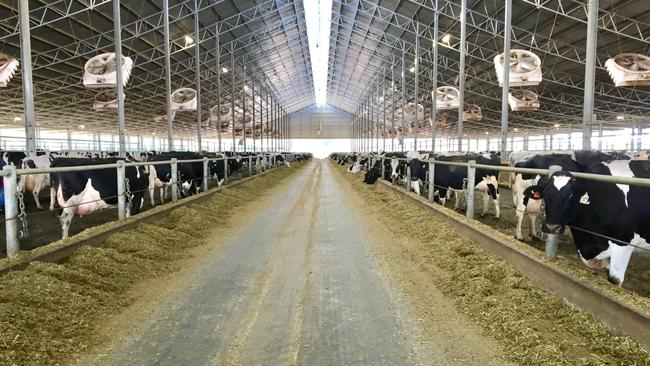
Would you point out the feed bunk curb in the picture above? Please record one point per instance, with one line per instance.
(619, 316)
(96, 236)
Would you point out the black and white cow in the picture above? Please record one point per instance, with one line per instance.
(452, 179)
(35, 183)
(359, 164)
(189, 175)
(578, 160)
(418, 170)
(395, 167)
(608, 221)
(84, 192)
(280, 160)
(373, 173)
(522, 183)
(217, 169)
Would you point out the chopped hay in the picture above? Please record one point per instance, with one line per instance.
(532, 326)
(50, 311)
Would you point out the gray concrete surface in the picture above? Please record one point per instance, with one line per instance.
(296, 285)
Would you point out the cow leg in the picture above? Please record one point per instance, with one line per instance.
(497, 207)
(620, 258)
(52, 198)
(520, 218)
(66, 219)
(35, 192)
(533, 225)
(456, 200)
(151, 196)
(486, 202)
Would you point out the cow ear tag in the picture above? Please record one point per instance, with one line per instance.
(585, 199)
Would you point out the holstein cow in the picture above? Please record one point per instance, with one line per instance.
(373, 173)
(35, 183)
(395, 168)
(189, 175)
(526, 204)
(217, 169)
(418, 169)
(280, 160)
(358, 165)
(453, 179)
(531, 205)
(84, 192)
(608, 221)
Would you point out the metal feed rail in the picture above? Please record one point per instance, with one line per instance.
(10, 174)
(552, 239)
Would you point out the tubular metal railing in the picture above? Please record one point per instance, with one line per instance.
(552, 239)
(13, 198)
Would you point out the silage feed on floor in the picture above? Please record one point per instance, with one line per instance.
(532, 326)
(49, 312)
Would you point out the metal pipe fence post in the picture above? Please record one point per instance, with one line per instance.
(121, 190)
(250, 166)
(552, 238)
(206, 174)
(225, 170)
(471, 183)
(174, 180)
(11, 211)
(381, 161)
(432, 176)
(408, 178)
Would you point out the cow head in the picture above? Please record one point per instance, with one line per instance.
(560, 192)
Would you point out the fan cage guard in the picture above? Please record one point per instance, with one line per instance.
(519, 78)
(183, 103)
(161, 115)
(409, 111)
(7, 69)
(108, 79)
(224, 111)
(623, 76)
(518, 104)
(105, 100)
(472, 113)
(452, 103)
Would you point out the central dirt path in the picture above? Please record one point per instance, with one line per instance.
(299, 284)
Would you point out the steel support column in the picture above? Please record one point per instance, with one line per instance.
(233, 94)
(461, 72)
(401, 135)
(392, 106)
(117, 36)
(383, 108)
(218, 59)
(268, 121)
(434, 80)
(600, 136)
(197, 68)
(244, 96)
(506, 76)
(168, 78)
(26, 69)
(416, 91)
(590, 74)
(253, 111)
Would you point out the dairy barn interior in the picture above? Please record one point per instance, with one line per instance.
(321, 182)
